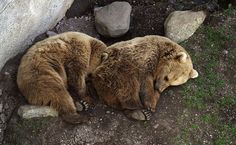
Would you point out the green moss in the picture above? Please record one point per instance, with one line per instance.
(203, 93)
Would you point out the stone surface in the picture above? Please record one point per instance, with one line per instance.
(22, 20)
(180, 25)
(83, 24)
(30, 111)
(113, 20)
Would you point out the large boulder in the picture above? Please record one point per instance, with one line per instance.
(180, 25)
(22, 20)
(113, 20)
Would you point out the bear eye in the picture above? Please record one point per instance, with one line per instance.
(166, 78)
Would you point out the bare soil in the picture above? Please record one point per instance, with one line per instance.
(174, 122)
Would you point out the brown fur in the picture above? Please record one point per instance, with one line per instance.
(56, 63)
(137, 70)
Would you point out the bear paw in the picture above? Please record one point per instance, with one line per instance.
(74, 118)
(142, 115)
(85, 105)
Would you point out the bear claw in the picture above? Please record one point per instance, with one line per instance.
(147, 114)
(85, 105)
(74, 118)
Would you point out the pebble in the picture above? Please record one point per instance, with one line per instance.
(156, 126)
(225, 52)
(1, 107)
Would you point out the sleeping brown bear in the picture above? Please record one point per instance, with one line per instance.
(138, 70)
(51, 66)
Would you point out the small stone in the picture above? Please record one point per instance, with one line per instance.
(180, 25)
(113, 20)
(6, 73)
(0, 92)
(225, 52)
(1, 107)
(156, 126)
(31, 111)
(51, 33)
(79, 106)
(3, 118)
(108, 112)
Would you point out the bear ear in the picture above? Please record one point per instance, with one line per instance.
(181, 56)
(193, 74)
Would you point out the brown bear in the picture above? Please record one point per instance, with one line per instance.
(138, 70)
(51, 66)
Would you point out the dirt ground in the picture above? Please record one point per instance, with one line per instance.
(201, 112)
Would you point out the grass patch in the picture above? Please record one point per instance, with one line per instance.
(203, 93)
(203, 89)
(230, 11)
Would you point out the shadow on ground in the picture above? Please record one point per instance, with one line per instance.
(199, 112)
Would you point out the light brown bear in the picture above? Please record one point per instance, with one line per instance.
(51, 66)
(138, 70)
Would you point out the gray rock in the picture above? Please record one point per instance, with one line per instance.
(31, 111)
(180, 25)
(113, 20)
(22, 20)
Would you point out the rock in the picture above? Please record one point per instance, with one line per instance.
(51, 33)
(83, 24)
(22, 20)
(0, 92)
(180, 25)
(113, 20)
(31, 111)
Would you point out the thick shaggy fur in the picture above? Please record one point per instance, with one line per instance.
(54, 64)
(137, 70)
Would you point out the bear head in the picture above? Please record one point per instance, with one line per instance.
(174, 71)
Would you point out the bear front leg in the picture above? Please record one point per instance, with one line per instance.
(148, 95)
